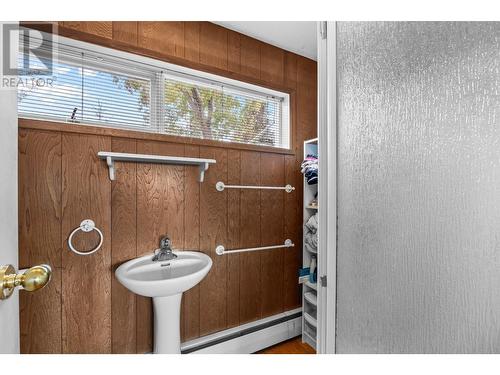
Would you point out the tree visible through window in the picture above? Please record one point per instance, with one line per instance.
(213, 113)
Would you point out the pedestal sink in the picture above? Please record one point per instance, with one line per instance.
(165, 281)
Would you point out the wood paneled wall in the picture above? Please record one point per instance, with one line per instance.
(61, 182)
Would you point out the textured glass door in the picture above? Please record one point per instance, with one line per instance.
(418, 267)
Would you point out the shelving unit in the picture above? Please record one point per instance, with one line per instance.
(309, 289)
(111, 157)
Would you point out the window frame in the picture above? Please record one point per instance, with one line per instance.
(162, 68)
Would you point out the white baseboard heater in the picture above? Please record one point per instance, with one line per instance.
(249, 338)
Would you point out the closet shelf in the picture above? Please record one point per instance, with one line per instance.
(311, 285)
(309, 339)
(311, 298)
(309, 319)
(111, 157)
(309, 290)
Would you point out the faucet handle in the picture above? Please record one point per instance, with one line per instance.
(165, 242)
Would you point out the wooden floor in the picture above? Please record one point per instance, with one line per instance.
(293, 346)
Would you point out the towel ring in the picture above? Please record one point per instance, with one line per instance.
(85, 226)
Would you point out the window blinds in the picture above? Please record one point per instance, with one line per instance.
(106, 90)
(211, 110)
(86, 88)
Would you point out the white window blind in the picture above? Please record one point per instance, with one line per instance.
(211, 110)
(86, 88)
(90, 87)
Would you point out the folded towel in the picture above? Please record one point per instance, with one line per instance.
(312, 223)
(311, 249)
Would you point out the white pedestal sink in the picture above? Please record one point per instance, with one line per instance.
(165, 281)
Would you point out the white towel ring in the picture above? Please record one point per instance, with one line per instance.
(85, 226)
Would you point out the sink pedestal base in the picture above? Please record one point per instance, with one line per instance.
(167, 315)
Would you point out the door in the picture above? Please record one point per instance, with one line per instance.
(327, 144)
(418, 253)
(9, 308)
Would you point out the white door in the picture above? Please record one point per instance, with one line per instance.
(9, 308)
(327, 192)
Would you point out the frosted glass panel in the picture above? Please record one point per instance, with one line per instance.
(418, 187)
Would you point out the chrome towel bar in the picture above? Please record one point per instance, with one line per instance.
(220, 250)
(220, 186)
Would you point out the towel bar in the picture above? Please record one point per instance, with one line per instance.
(220, 250)
(220, 186)
(86, 226)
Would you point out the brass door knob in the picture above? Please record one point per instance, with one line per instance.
(33, 279)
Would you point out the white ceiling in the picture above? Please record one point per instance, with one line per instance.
(294, 36)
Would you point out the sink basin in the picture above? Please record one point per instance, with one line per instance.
(165, 281)
(164, 278)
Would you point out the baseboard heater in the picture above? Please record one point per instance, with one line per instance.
(249, 338)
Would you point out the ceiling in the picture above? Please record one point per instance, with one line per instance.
(294, 36)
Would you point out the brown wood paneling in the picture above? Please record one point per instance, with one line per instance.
(233, 238)
(213, 45)
(272, 64)
(233, 51)
(272, 170)
(250, 57)
(160, 211)
(306, 98)
(123, 248)
(120, 133)
(162, 36)
(293, 221)
(192, 41)
(40, 237)
(290, 75)
(126, 32)
(250, 277)
(293, 201)
(100, 28)
(213, 231)
(190, 311)
(86, 280)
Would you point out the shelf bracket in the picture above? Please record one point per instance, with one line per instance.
(111, 166)
(203, 167)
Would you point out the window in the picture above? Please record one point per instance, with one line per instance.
(85, 88)
(99, 86)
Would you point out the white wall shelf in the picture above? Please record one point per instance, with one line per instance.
(111, 157)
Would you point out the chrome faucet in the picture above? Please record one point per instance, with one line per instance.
(165, 251)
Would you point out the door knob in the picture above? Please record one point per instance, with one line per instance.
(33, 279)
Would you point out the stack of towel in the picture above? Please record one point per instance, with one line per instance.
(311, 234)
(309, 168)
